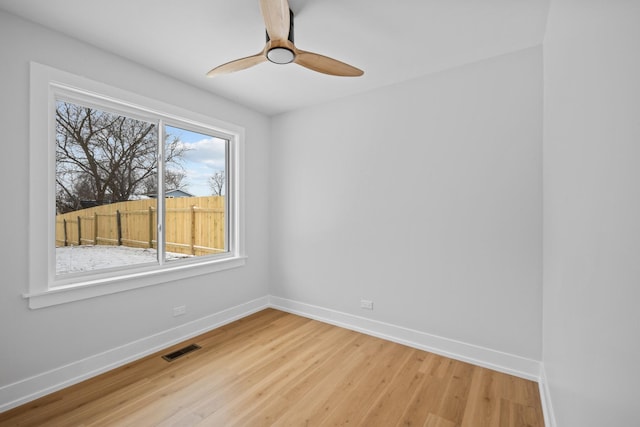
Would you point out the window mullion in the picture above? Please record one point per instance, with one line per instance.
(161, 193)
(228, 199)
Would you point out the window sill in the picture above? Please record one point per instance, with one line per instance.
(98, 287)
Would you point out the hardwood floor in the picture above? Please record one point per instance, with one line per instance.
(274, 368)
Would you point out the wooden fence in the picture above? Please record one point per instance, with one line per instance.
(193, 225)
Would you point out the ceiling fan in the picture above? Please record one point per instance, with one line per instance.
(279, 49)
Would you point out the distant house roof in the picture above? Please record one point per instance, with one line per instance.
(173, 194)
(88, 203)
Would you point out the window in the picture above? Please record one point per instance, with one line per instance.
(126, 191)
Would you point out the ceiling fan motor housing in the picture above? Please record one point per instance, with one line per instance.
(280, 55)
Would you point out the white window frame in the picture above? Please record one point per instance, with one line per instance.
(45, 288)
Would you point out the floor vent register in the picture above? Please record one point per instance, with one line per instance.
(179, 353)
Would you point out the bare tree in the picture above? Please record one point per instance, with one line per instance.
(105, 157)
(78, 188)
(216, 182)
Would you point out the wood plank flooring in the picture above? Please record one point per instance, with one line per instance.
(278, 369)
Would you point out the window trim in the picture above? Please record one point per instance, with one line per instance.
(44, 287)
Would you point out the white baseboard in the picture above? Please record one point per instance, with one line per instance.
(29, 389)
(481, 356)
(23, 391)
(545, 399)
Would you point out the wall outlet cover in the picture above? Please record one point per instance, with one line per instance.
(366, 304)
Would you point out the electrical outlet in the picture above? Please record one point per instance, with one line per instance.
(179, 311)
(366, 304)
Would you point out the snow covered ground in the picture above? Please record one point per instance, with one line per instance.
(75, 259)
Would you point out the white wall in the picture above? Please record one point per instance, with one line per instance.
(35, 341)
(592, 212)
(424, 197)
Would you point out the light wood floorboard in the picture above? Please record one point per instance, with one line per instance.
(278, 369)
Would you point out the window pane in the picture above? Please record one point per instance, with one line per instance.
(106, 175)
(195, 190)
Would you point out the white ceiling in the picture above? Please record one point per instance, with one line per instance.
(391, 40)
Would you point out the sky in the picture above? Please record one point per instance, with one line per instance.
(205, 155)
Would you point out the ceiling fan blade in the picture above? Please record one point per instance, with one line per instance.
(237, 65)
(276, 18)
(326, 65)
